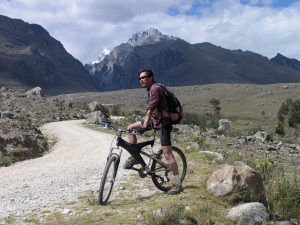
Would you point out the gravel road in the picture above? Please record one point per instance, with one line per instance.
(72, 168)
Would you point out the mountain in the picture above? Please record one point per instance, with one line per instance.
(286, 62)
(31, 57)
(176, 62)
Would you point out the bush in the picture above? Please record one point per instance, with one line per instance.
(280, 129)
(115, 110)
(283, 196)
(5, 161)
(264, 167)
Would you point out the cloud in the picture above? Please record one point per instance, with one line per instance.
(86, 27)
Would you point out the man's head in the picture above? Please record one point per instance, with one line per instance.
(146, 77)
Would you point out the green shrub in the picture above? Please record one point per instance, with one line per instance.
(280, 129)
(283, 196)
(265, 167)
(116, 110)
(198, 139)
(5, 160)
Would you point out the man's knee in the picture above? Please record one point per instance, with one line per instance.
(135, 125)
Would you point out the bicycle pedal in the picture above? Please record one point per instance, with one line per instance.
(143, 172)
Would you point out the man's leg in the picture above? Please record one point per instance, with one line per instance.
(165, 139)
(132, 140)
(167, 150)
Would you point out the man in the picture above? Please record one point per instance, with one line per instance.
(156, 117)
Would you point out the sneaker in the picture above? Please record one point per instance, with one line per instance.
(130, 162)
(176, 189)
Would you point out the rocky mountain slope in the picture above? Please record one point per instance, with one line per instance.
(177, 63)
(21, 115)
(31, 57)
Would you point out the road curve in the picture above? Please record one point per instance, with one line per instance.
(70, 169)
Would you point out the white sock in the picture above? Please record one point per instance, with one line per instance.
(177, 180)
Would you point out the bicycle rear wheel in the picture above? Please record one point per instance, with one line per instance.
(108, 179)
(162, 177)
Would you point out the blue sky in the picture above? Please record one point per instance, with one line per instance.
(86, 27)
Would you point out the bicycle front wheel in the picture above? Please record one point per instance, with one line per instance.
(108, 179)
(162, 176)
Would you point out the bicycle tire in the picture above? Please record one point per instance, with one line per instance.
(160, 176)
(108, 179)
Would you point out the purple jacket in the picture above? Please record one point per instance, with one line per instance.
(158, 103)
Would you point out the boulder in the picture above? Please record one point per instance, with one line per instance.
(224, 125)
(222, 181)
(95, 106)
(37, 91)
(97, 117)
(253, 213)
(262, 136)
(250, 183)
(241, 180)
(215, 155)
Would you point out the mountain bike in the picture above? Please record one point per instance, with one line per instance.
(157, 167)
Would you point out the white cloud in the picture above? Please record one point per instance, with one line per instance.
(86, 27)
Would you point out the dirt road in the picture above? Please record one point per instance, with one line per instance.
(71, 168)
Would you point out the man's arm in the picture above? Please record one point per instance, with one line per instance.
(147, 118)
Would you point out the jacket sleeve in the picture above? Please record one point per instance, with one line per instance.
(154, 98)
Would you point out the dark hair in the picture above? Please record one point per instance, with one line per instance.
(148, 71)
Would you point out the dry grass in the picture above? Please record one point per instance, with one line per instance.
(254, 104)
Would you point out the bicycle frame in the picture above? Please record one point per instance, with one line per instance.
(134, 149)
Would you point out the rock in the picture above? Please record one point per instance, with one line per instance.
(160, 213)
(193, 145)
(271, 148)
(221, 182)
(96, 117)
(241, 180)
(7, 115)
(250, 138)
(95, 106)
(253, 213)
(286, 222)
(262, 136)
(216, 155)
(37, 91)
(251, 184)
(224, 125)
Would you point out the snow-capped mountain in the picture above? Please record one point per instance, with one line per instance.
(101, 56)
(149, 36)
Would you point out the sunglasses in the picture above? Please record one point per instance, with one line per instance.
(143, 77)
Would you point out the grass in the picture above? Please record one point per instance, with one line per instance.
(134, 200)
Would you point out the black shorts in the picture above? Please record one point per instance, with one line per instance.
(164, 132)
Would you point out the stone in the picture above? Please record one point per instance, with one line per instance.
(262, 136)
(241, 180)
(37, 91)
(97, 117)
(221, 182)
(286, 222)
(250, 183)
(224, 125)
(253, 213)
(193, 145)
(216, 155)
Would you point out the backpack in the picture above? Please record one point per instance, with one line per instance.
(175, 109)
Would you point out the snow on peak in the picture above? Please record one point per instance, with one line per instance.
(101, 56)
(149, 36)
